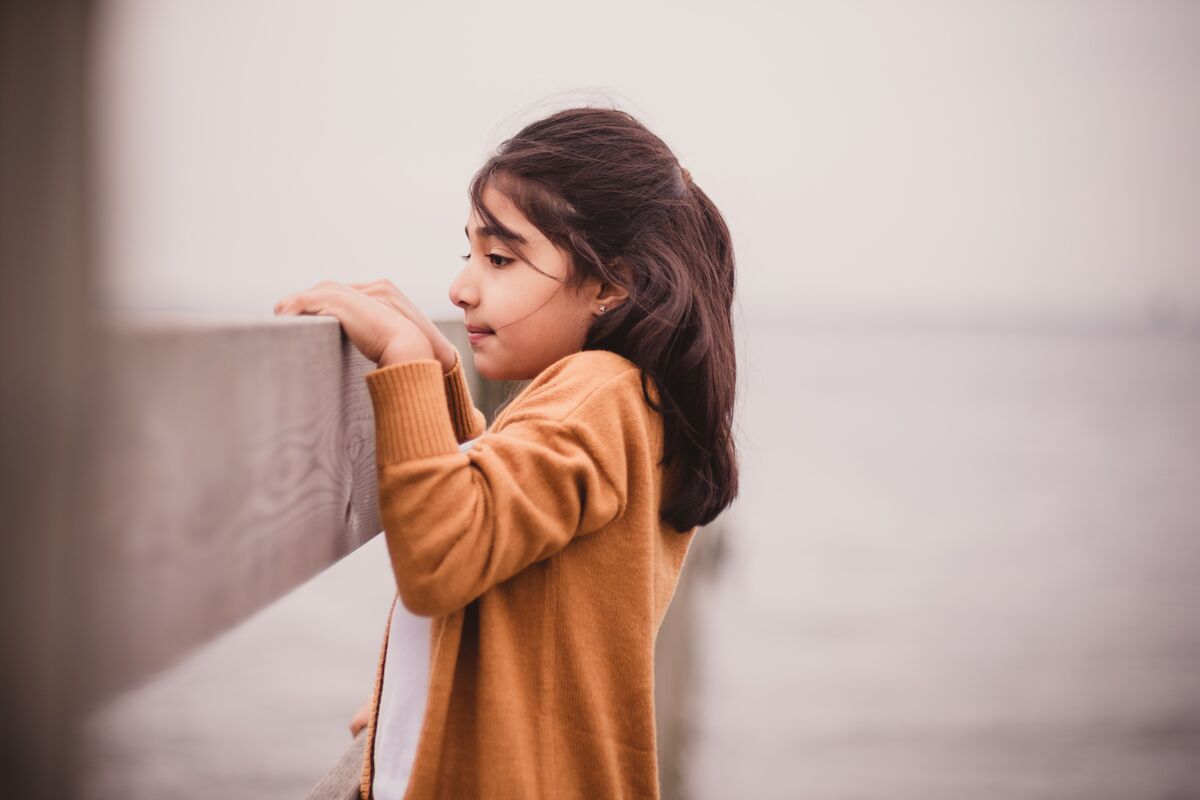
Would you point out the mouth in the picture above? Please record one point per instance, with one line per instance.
(476, 333)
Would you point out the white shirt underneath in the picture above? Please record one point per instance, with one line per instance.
(402, 698)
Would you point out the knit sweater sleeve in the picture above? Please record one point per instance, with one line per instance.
(468, 421)
(458, 523)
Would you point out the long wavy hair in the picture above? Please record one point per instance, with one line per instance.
(603, 188)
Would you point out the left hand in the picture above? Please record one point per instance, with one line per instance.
(388, 293)
(380, 332)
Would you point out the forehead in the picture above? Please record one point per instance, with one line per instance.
(509, 216)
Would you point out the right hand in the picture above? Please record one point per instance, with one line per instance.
(361, 719)
(389, 294)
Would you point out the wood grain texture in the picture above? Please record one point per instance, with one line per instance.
(237, 462)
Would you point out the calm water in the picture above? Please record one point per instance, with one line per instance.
(961, 565)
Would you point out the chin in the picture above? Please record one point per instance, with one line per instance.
(484, 369)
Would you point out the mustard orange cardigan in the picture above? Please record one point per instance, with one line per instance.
(541, 558)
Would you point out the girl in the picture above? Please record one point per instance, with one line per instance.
(546, 548)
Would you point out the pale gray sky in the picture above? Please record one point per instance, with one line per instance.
(947, 156)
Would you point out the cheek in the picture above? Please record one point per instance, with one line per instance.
(510, 289)
(526, 294)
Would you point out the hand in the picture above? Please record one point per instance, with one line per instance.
(361, 719)
(387, 292)
(379, 331)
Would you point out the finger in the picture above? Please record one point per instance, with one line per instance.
(296, 301)
(395, 290)
(370, 289)
(316, 301)
(388, 294)
(283, 305)
(377, 287)
(380, 288)
(292, 304)
(377, 290)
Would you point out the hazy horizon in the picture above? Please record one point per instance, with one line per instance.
(871, 158)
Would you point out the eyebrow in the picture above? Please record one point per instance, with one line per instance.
(496, 233)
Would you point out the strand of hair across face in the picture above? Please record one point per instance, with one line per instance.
(531, 313)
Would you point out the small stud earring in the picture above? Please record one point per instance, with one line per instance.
(603, 308)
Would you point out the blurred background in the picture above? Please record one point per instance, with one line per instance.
(965, 560)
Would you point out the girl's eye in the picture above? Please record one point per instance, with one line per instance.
(502, 259)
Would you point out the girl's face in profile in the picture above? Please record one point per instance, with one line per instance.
(533, 317)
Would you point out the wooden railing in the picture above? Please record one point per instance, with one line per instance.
(236, 461)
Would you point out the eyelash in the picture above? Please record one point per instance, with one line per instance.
(504, 259)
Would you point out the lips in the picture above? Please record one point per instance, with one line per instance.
(477, 333)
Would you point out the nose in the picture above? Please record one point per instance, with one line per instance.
(462, 292)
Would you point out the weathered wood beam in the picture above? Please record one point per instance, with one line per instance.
(237, 461)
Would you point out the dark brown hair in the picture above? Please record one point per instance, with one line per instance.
(603, 188)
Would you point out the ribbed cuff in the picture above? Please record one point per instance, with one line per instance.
(458, 395)
(410, 411)
(457, 364)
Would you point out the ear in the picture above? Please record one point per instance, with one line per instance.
(610, 295)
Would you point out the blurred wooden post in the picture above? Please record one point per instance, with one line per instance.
(676, 655)
(44, 351)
